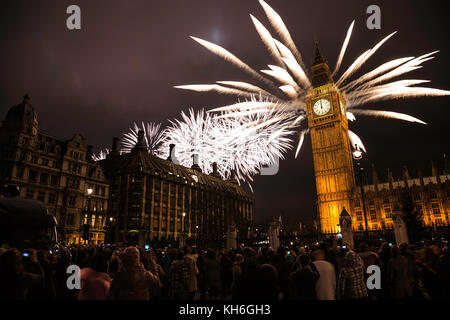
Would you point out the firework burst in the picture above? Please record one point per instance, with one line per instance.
(242, 143)
(101, 155)
(153, 137)
(284, 98)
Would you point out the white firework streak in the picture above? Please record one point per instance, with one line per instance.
(152, 133)
(235, 144)
(356, 141)
(284, 106)
(386, 114)
(101, 155)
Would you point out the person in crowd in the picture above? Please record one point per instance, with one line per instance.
(212, 272)
(443, 274)
(426, 266)
(257, 283)
(191, 261)
(398, 277)
(303, 281)
(133, 282)
(351, 283)
(385, 254)
(95, 281)
(14, 280)
(326, 284)
(284, 267)
(226, 273)
(178, 277)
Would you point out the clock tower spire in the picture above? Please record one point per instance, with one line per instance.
(332, 157)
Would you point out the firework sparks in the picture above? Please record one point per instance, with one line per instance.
(101, 155)
(284, 106)
(241, 144)
(152, 133)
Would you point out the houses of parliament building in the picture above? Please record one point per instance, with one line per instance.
(335, 174)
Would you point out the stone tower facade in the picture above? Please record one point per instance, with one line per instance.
(332, 155)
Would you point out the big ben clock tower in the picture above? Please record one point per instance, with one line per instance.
(331, 148)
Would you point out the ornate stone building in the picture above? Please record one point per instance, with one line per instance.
(332, 154)
(151, 198)
(429, 196)
(57, 172)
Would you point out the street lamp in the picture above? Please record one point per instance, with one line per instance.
(357, 155)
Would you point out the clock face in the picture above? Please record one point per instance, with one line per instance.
(321, 107)
(342, 107)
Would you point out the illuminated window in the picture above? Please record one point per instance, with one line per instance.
(435, 208)
(388, 212)
(373, 215)
(359, 216)
(29, 194)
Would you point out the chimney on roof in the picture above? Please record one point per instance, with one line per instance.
(89, 152)
(115, 146)
(390, 179)
(195, 165)
(215, 172)
(26, 98)
(405, 175)
(374, 177)
(435, 172)
(171, 151)
(233, 177)
(422, 183)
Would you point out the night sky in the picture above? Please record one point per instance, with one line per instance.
(122, 65)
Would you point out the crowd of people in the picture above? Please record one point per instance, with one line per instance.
(319, 272)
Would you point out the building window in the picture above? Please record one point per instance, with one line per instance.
(357, 203)
(435, 208)
(34, 159)
(29, 194)
(41, 196)
(386, 201)
(373, 215)
(371, 202)
(51, 198)
(44, 178)
(55, 180)
(359, 216)
(20, 171)
(72, 200)
(433, 195)
(388, 212)
(44, 162)
(70, 219)
(417, 196)
(419, 208)
(33, 176)
(93, 221)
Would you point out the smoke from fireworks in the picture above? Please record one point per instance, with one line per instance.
(287, 102)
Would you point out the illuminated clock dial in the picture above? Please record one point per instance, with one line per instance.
(321, 107)
(342, 107)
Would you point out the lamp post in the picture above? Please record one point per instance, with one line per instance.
(357, 155)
